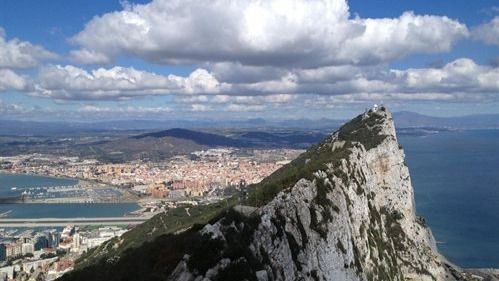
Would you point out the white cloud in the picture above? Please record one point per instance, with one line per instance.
(196, 107)
(234, 99)
(9, 80)
(279, 98)
(245, 108)
(253, 56)
(295, 33)
(459, 76)
(124, 109)
(129, 110)
(89, 57)
(286, 84)
(488, 32)
(70, 82)
(21, 54)
(462, 79)
(237, 73)
(387, 39)
(19, 110)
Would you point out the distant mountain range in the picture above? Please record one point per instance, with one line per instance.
(241, 139)
(200, 138)
(17, 127)
(119, 146)
(404, 119)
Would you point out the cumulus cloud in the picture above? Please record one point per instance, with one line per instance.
(459, 80)
(124, 109)
(234, 72)
(9, 80)
(20, 110)
(70, 82)
(89, 57)
(388, 39)
(234, 99)
(245, 108)
(15, 53)
(488, 32)
(462, 80)
(459, 76)
(128, 110)
(196, 107)
(296, 33)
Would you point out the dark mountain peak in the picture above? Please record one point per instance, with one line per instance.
(198, 137)
(369, 128)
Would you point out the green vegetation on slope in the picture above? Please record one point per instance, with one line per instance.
(156, 238)
(173, 221)
(358, 130)
(151, 261)
(155, 260)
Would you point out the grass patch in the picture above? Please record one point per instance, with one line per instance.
(365, 131)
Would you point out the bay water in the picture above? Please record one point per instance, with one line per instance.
(59, 210)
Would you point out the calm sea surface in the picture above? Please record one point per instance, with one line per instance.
(456, 181)
(7, 181)
(20, 181)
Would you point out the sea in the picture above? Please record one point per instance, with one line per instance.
(70, 210)
(455, 176)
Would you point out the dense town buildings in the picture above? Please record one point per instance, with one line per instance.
(203, 175)
(193, 175)
(50, 252)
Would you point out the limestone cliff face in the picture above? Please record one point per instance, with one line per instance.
(353, 218)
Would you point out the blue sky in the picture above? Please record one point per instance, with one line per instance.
(156, 62)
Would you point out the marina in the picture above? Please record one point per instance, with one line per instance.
(26, 196)
(17, 188)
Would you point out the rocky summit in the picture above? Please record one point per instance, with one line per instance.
(352, 219)
(344, 210)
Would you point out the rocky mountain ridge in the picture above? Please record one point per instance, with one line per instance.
(344, 210)
(354, 220)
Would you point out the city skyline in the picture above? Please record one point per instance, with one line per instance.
(277, 59)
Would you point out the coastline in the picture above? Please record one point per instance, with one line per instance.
(13, 202)
(67, 210)
(125, 197)
(5, 172)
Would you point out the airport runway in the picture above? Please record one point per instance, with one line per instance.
(75, 221)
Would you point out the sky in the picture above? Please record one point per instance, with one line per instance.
(99, 60)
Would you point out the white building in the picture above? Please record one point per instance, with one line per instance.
(8, 271)
(27, 248)
(76, 241)
(94, 242)
(33, 265)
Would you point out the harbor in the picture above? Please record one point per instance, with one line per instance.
(55, 190)
(25, 196)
